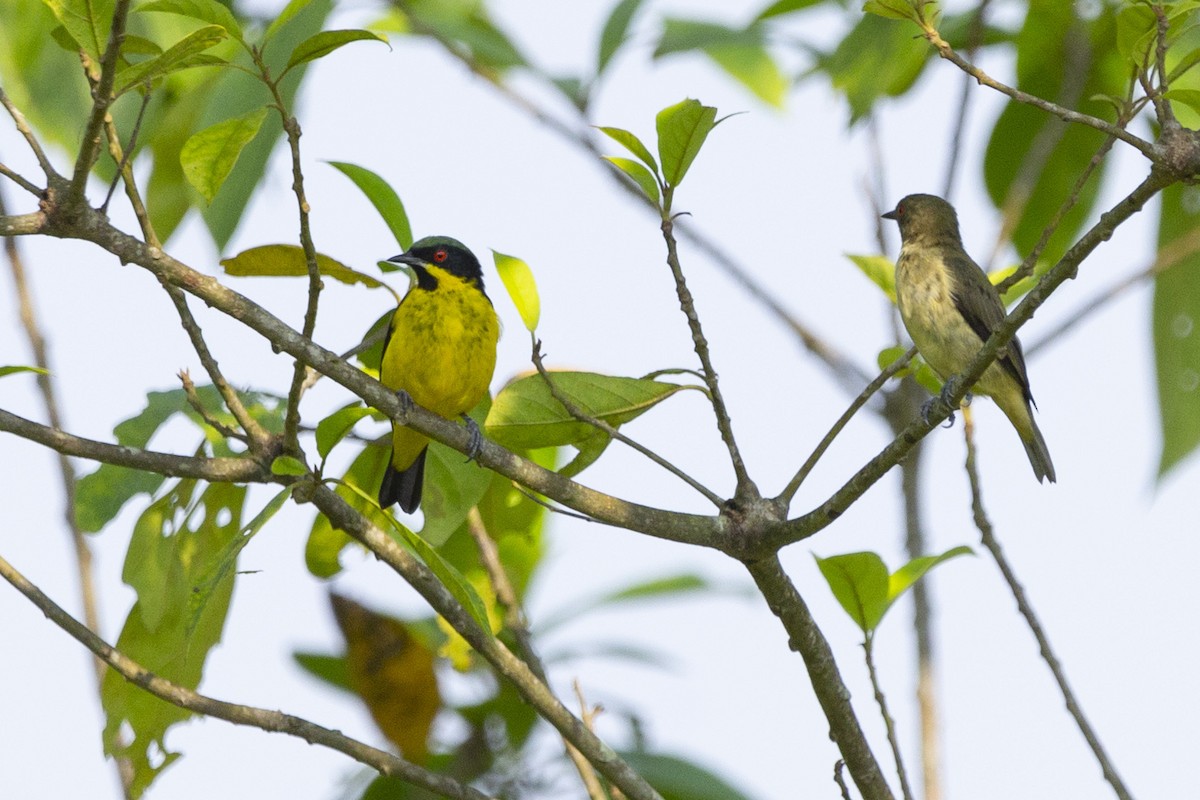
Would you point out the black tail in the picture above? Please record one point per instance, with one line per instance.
(403, 486)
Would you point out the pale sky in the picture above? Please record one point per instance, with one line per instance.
(1106, 555)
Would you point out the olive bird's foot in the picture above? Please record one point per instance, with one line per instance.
(405, 400)
(941, 404)
(475, 445)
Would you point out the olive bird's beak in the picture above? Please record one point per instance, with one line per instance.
(888, 215)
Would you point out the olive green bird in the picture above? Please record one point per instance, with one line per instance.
(440, 353)
(950, 309)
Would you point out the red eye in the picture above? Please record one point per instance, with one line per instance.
(440, 256)
(900, 210)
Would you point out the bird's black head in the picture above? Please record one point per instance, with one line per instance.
(923, 216)
(444, 253)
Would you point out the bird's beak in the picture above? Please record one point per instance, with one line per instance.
(888, 215)
(405, 258)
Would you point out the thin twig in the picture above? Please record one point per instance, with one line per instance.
(988, 538)
(947, 52)
(888, 722)
(974, 38)
(806, 638)
(193, 400)
(21, 181)
(600, 425)
(745, 487)
(102, 100)
(516, 623)
(883, 377)
(271, 721)
(27, 132)
(256, 434)
(839, 767)
(89, 601)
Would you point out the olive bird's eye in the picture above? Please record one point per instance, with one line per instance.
(440, 256)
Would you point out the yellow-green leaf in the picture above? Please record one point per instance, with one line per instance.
(518, 280)
(288, 261)
(208, 156)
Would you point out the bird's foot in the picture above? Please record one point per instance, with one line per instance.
(941, 404)
(405, 400)
(475, 445)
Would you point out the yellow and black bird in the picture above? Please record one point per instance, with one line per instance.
(950, 309)
(440, 352)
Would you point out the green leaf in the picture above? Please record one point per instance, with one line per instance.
(682, 129)
(615, 31)
(334, 428)
(902, 579)
(175, 546)
(208, 156)
(12, 370)
(1189, 97)
(289, 261)
(880, 270)
(181, 55)
(889, 355)
(99, 496)
(331, 669)
(632, 144)
(859, 581)
(451, 578)
(876, 59)
(667, 587)
(1176, 325)
(322, 44)
(237, 93)
(1035, 157)
(518, 280)
(288, 465)
(785, 7)
(212, 577)
(453, 486)
(589, 450)
(323, 549)
(383, 197)
(467, 25)
(293, 8)
(678, 779)
(209, 11)
(642, 177)
(892, 9)
(755, 69)
(87, 21)
(525, 414)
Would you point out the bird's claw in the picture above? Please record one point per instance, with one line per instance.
(941, 403)
(475, 444)
(405, 400)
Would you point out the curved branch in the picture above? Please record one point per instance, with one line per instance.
(1148, 149)
(271, 721)
(215, 470)
(535, 691)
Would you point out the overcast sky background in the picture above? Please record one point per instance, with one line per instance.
(1106, 555)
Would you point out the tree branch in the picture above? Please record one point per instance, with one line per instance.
(746, 490)
(342, 516)
(988, 538)
(270, 721)
(806, 638)
(214, 470)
